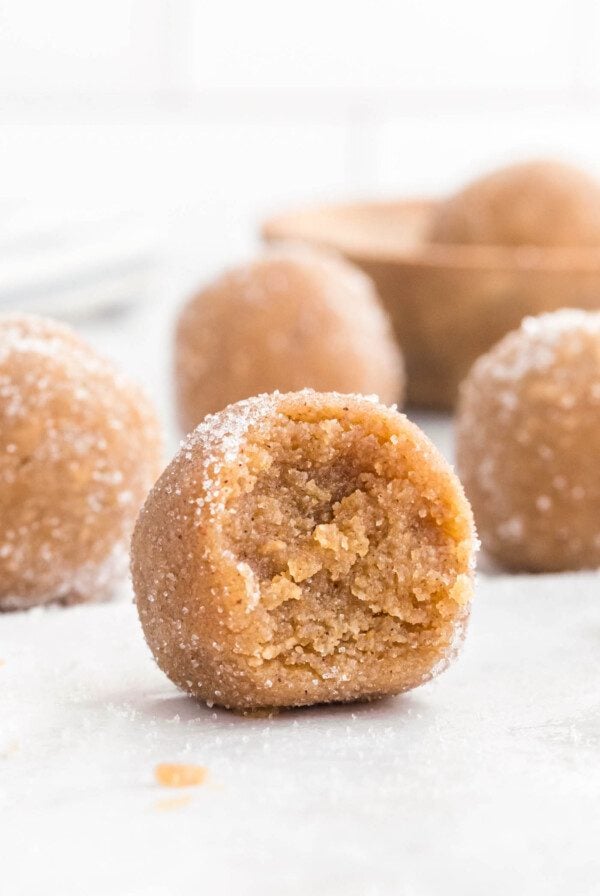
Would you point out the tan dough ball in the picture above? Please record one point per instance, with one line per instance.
(291, 319)
(534, 203)
(304, 548)
(529, 444)
(79, 449)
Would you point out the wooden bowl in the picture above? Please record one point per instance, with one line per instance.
(448, 303)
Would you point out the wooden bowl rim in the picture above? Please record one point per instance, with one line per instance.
(562, 259)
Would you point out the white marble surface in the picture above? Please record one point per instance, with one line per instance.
(484, 781)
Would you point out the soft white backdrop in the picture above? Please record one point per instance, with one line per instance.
(177, 105)
(204, 117)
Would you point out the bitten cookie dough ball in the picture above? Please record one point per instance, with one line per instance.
(535, 203)
(295, 318)
(529, 444)
(304, 548)
(79, 449)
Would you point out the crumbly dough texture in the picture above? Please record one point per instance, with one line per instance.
(528, 444)
(304, 548)
(538, 203)
(79, 449)
(294, 318)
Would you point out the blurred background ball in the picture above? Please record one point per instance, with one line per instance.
(293, 318)
(528, 444)
(536, 203)
(79, 449)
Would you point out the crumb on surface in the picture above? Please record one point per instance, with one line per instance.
(173, 774)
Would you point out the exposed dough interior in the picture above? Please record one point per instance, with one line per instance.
(345, 551)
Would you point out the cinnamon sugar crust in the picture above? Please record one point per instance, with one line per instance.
(528, 443)
(79, 448)
(304, 548)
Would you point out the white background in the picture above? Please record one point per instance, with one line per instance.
(179, 106)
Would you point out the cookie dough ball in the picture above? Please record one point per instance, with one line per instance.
(291, 319)
(529, 444)
(535, 203)
(304, 548)
(79, 449)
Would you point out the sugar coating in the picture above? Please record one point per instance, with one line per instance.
(528, 443)
(79, 449)
(293, 318)
(537, 203)
(304, 548)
